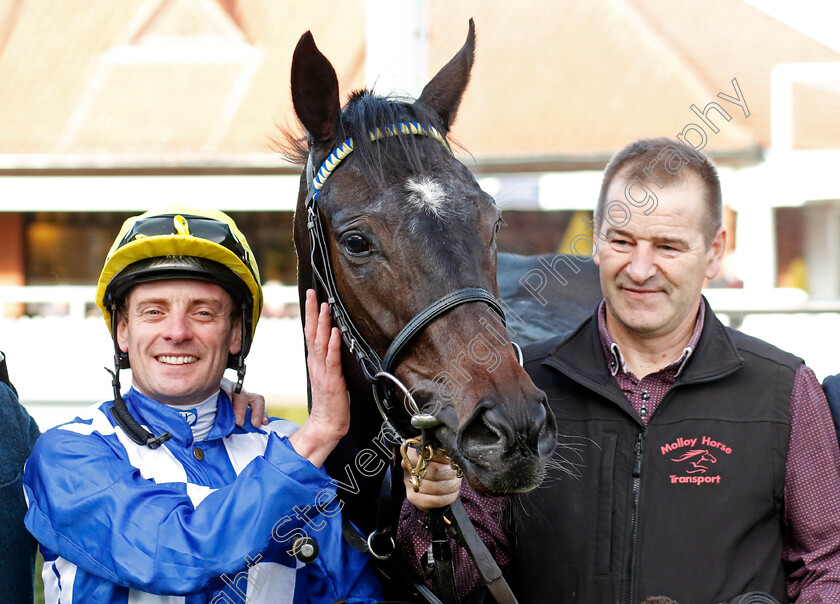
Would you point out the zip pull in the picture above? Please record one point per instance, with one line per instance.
(640, 447)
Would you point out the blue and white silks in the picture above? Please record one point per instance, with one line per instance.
(121, 523)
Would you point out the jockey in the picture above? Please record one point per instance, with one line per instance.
(157, 495)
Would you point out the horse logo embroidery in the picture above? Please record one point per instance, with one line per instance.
(697, 457)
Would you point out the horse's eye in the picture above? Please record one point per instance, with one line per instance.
(499, 224)
(357, 245)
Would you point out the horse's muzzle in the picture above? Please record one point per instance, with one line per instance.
(506, 445)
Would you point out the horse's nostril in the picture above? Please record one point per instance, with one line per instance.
(488, 436)
(495, 432)
(505, 444)
(495, 420)
(483, 434)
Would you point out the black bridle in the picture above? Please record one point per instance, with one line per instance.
(378, 371)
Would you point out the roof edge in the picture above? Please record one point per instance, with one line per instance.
(273, 163)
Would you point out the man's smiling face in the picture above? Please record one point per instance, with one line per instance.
(652, 269)
(178, 334)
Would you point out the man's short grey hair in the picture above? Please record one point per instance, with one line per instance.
(652, 159)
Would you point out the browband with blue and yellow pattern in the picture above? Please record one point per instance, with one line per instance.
(345, 148)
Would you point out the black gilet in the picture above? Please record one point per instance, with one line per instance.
(690, 507)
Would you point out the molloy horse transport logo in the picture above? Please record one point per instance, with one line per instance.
(695, 460)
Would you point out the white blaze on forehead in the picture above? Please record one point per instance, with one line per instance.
(426, 193)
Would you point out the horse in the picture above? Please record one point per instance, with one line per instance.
(697, 457)
(396, 234)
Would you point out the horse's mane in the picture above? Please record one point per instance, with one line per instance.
(364, 112)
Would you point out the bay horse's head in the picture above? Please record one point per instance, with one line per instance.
(404, 225)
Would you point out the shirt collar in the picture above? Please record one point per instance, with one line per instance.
(614, 358)
(160, 418)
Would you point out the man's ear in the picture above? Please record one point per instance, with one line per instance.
(597, 251)
(601, 235)
(716, 251)
(122, 333)
(236, 340)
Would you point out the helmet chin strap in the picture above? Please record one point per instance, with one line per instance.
(240, 370)
(119, 410)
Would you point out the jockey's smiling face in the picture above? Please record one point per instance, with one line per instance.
(178, 334)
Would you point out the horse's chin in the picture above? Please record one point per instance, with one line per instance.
(512, 479)
(516, 474)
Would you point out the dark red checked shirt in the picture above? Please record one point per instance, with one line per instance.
(812, 483)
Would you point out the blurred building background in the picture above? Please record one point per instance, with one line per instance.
(111, 108)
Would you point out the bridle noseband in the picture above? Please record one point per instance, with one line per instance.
(378, 371)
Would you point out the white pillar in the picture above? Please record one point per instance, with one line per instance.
(749, 192)
(396, 56)
(822, 249)
(756, 245)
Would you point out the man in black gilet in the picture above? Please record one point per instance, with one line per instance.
(695, 462)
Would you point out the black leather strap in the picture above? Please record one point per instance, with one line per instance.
(442, 553)
(323, 275)
(487, 567)
(433, 311)
(391, 496)
(353, 536)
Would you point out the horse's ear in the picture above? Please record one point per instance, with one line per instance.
(443, 93)
(314, 89)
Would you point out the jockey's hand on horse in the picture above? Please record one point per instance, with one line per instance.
(329, 416)
(439, 487)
